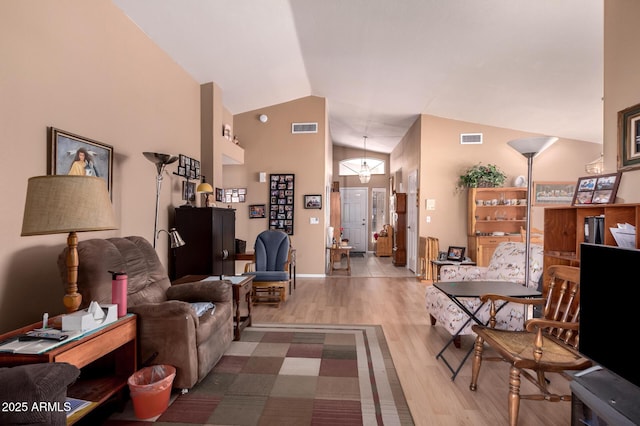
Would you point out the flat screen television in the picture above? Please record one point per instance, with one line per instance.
(610, 308)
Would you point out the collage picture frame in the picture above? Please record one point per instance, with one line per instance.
(281, 202)
(600, 189)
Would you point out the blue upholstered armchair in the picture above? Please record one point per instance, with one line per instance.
(271, 267)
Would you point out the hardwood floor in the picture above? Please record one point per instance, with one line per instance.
(397, 303)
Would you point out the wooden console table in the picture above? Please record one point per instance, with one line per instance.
(95, 384)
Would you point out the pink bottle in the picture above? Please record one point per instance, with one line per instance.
(119, 291)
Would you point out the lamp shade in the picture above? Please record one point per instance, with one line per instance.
(204, 187)
(59, 204)
(532, 146)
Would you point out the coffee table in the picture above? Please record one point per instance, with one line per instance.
(459, 289)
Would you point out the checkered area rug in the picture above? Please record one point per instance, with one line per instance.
(280, 374)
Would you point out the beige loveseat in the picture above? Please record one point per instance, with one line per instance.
(169, 330)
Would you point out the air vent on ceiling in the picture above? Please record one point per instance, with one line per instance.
(304, 127)
(470, 138)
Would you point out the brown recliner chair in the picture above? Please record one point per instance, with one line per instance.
(169, 330)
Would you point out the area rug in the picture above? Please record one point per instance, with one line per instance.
(290, 374)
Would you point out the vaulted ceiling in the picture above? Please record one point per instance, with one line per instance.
(535, 66)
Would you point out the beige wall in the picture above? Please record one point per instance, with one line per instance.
(271, 148)
(83, 67)
(443, 159)
(621, 84)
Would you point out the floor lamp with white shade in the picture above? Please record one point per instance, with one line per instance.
(530, 147)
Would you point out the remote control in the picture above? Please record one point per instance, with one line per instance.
(36, 335)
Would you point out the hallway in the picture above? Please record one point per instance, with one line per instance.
(370, 265)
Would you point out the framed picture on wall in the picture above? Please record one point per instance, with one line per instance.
(281, 206)
(313, 201)
(629, 138)
(70, 154)
(257, 211)
(553, 193)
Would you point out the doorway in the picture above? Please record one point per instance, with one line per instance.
(354, 217)
(412, 221)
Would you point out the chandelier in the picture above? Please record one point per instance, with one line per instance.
(365, 172)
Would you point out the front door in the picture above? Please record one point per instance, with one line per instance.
(354, 217)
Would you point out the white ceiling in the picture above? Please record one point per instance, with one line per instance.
(531, 65)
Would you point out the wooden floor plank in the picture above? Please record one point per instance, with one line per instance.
(394, 298)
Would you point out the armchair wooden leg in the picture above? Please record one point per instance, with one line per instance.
(477, 363)
(514, 395)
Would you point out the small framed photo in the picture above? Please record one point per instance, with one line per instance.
(257, 211)
(219, 194)
(313, 201)
(70, 154)
(600, 189)
(455, 253)
(629, 138)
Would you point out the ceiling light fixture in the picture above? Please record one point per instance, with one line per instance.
(365, 172)
(596, 167)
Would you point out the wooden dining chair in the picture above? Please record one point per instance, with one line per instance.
(548, 344)
(537, 235)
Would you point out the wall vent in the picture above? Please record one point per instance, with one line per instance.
(470, 138)
(304, 127)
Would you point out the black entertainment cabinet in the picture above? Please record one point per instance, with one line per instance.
(209, 234)
(602, 398)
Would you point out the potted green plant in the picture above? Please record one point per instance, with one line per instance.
(481, 176)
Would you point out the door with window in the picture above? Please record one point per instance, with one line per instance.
(355, 217)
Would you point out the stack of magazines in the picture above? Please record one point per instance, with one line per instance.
(625, 235)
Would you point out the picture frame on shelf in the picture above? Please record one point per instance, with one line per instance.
(629, 138)
(313, 201)
(600, 189)
(456, 253)
(71, 154)
(257, 211)
(553, 193)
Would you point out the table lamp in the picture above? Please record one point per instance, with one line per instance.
(58, 204)
(530, 147)
(206, 189)
(175, 240)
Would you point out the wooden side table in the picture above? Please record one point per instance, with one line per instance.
(97, 384)
(336, 253)
(437, 264)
